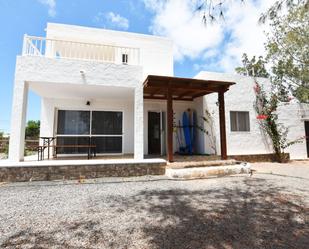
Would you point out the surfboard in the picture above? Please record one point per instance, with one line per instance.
(186, 131)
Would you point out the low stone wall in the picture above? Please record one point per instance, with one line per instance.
(254, 158)
(72, 172)
(30, 144)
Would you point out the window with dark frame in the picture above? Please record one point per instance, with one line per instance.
(102, 128)
(240, 121)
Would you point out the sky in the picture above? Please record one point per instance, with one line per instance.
(215, 47)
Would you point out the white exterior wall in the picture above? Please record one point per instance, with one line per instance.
(241, 97)
(44, 75)
(18, 118)
(156, 53)
(291, 115)
(40, 69)
(139, 122)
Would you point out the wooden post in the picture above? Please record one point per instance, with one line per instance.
(169, 125)
(222, 125)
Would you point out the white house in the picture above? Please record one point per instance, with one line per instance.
(109, 88)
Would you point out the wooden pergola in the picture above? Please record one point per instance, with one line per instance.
(186, 89)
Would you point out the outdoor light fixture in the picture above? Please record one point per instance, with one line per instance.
(88, 102)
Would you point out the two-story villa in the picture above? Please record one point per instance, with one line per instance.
(116, 91)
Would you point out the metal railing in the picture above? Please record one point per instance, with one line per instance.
(52, 48)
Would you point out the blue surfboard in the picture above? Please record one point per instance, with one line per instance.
(186, 131)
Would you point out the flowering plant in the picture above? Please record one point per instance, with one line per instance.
(266, 108)
(261, 117)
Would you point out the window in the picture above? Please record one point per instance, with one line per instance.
(125, 58)
(102, 128)
(73, 122)
(108, 144)
(77, 140)
(106, 123)
(239, 121)
(106, 130)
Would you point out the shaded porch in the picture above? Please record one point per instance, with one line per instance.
(186, 89)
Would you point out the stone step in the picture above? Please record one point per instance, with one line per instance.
(208, 171)
(205, 163)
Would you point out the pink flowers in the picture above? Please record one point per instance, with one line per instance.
(261, 117)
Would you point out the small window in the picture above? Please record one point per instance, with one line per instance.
(240, 121)
(125, 58)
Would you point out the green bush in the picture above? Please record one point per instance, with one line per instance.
(32, 129)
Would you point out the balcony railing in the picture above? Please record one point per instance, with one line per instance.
(52, 48)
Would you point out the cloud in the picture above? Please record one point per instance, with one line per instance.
(178, 21)
(218, 46)
(51, 5)
(246, 35)
(112, 19)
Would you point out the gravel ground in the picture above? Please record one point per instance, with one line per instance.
(267, 210)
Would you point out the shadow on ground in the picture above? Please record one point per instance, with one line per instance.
(257, 215)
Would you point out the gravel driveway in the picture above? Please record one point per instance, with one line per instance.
(263, 211)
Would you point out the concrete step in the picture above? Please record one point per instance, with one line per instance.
(208, 171)
(205, 163)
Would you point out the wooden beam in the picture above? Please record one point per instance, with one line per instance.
(155, 91)
(199, 94)
(185, 87)
(185, 93)
(222, 125)
(164, 98)
(170, 156)
(160, 78)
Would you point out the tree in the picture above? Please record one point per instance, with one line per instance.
(33, 129)
(254, 67)
(288, 50)
(276, 9)
(212, 9)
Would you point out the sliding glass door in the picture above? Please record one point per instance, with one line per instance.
(106, 131)
(101, 128)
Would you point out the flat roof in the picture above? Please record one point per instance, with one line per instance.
(156, 87)
(53, 25)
